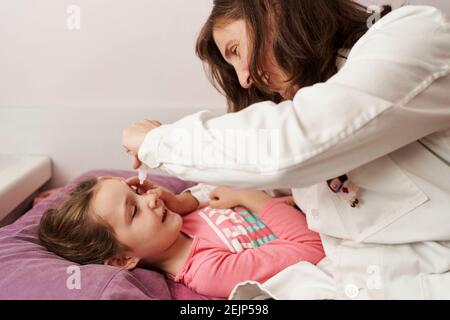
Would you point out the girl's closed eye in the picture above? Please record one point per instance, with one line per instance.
(134, 212)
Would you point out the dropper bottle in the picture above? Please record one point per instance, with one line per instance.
(142, 173)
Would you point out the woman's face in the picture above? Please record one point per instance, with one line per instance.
(141, 222)
(233, 43)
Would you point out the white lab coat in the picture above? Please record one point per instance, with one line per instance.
(384, 119)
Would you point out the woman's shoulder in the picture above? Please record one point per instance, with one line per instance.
(411, 17)
(410, 31)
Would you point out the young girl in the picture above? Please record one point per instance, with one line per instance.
(116, 222)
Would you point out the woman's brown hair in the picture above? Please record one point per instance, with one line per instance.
(307, 37)
(76, 233)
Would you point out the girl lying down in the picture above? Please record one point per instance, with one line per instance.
(111, 221)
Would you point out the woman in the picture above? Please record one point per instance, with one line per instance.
(381, 119)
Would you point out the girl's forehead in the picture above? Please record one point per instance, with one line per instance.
(105, 178)
(112, 182)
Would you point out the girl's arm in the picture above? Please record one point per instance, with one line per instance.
(183, 204)
(254, 200)
(227, 198)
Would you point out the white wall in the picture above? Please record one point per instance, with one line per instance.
(128, 54)
(76, 140)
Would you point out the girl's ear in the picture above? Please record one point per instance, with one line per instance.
(123, 261)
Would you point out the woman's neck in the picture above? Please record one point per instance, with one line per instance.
(175, 256)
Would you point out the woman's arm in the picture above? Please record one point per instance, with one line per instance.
(392, 91)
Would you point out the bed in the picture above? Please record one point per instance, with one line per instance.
(28, 271)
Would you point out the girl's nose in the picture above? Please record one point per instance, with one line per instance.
(153, 201)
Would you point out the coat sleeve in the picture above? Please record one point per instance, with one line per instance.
(393, 90)
(202, 193)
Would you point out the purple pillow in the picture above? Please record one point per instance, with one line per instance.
(29, 271)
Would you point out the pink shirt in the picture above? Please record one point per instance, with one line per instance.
(232, 246)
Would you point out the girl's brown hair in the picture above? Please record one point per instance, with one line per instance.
(307, 36)
(76, 233)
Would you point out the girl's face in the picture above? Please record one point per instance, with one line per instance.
(233, 43)
(140, 222)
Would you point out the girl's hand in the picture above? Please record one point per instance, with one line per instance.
(182, 204)
(133, 137)
(224, 198)
(162, 193)
(140, 188)
(169, 198)
(147, 187)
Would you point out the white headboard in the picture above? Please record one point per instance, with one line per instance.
(76, 140)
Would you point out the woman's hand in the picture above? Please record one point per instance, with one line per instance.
(133, 137)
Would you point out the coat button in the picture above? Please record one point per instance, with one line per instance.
(351, 291)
